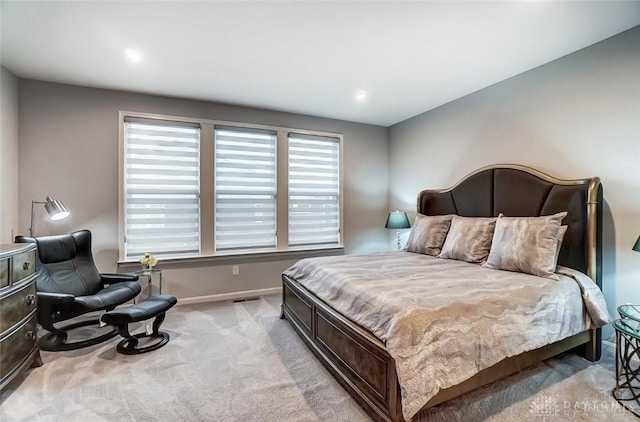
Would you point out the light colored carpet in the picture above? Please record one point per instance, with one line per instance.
(240, 362)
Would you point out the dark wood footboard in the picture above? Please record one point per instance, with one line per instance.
(359, 361)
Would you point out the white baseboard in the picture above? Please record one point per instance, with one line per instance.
(229, 296)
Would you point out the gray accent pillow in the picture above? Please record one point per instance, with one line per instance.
(428, 234)
(469, 239)
(526, 244)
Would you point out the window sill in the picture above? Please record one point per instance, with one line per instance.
(247, 256)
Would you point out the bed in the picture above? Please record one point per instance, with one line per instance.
(354, 352)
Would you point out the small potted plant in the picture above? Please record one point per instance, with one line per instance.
(148, 261)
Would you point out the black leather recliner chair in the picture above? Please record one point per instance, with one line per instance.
(69, 285)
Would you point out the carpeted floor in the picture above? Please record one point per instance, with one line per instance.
(240, 362)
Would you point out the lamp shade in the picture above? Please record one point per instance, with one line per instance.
(55, 209)
(636, 247)
(397, 220)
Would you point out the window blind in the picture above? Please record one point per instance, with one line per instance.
(162, 189)
(245, 189)
(314, 190)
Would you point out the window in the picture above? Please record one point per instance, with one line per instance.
(245, 190)
(161, 190)
(314, 189)
(201, 188)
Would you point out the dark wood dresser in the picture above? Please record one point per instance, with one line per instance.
(18, 323)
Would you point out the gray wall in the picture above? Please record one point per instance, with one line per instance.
(576, 117)
(572, 118)
(8, 155)
(68, 149)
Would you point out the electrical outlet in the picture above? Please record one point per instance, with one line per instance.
(235, 270)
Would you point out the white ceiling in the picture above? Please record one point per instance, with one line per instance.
(303, 57)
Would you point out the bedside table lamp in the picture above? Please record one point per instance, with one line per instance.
(397, 220)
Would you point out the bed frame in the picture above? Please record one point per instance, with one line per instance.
(360, 362)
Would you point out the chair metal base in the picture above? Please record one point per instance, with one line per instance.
(57, 341)
(128, 345)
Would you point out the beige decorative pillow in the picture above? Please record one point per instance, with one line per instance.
(526, 244)
(469, 239)
(428, 233)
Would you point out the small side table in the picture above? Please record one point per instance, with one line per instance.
(630, 312)
(149, 274)
(627, 390)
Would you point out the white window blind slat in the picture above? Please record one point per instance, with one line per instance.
(162, 189)
(245, 190)
(314, 190)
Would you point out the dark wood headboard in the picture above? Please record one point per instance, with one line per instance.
(518, 191)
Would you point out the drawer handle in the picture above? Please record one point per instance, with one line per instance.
(26, 265)
(31, 298)
(30, 335)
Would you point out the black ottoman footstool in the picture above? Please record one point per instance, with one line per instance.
(154, 306)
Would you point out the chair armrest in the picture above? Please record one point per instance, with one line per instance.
(48, 303)
(111, 278)
(51, 299)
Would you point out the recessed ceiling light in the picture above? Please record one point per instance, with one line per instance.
(133, 55)
(361, 96)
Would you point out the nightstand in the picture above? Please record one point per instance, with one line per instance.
(149, 273)
(627, 390)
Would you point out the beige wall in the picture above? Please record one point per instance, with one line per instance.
(68, 149)
(8, 155)
(576, 117)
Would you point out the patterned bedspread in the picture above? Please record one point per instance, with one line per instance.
(444, 320)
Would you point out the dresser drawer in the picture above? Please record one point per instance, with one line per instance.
(17, 305)
(4, 272)
(24, 265)
(17, 347)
